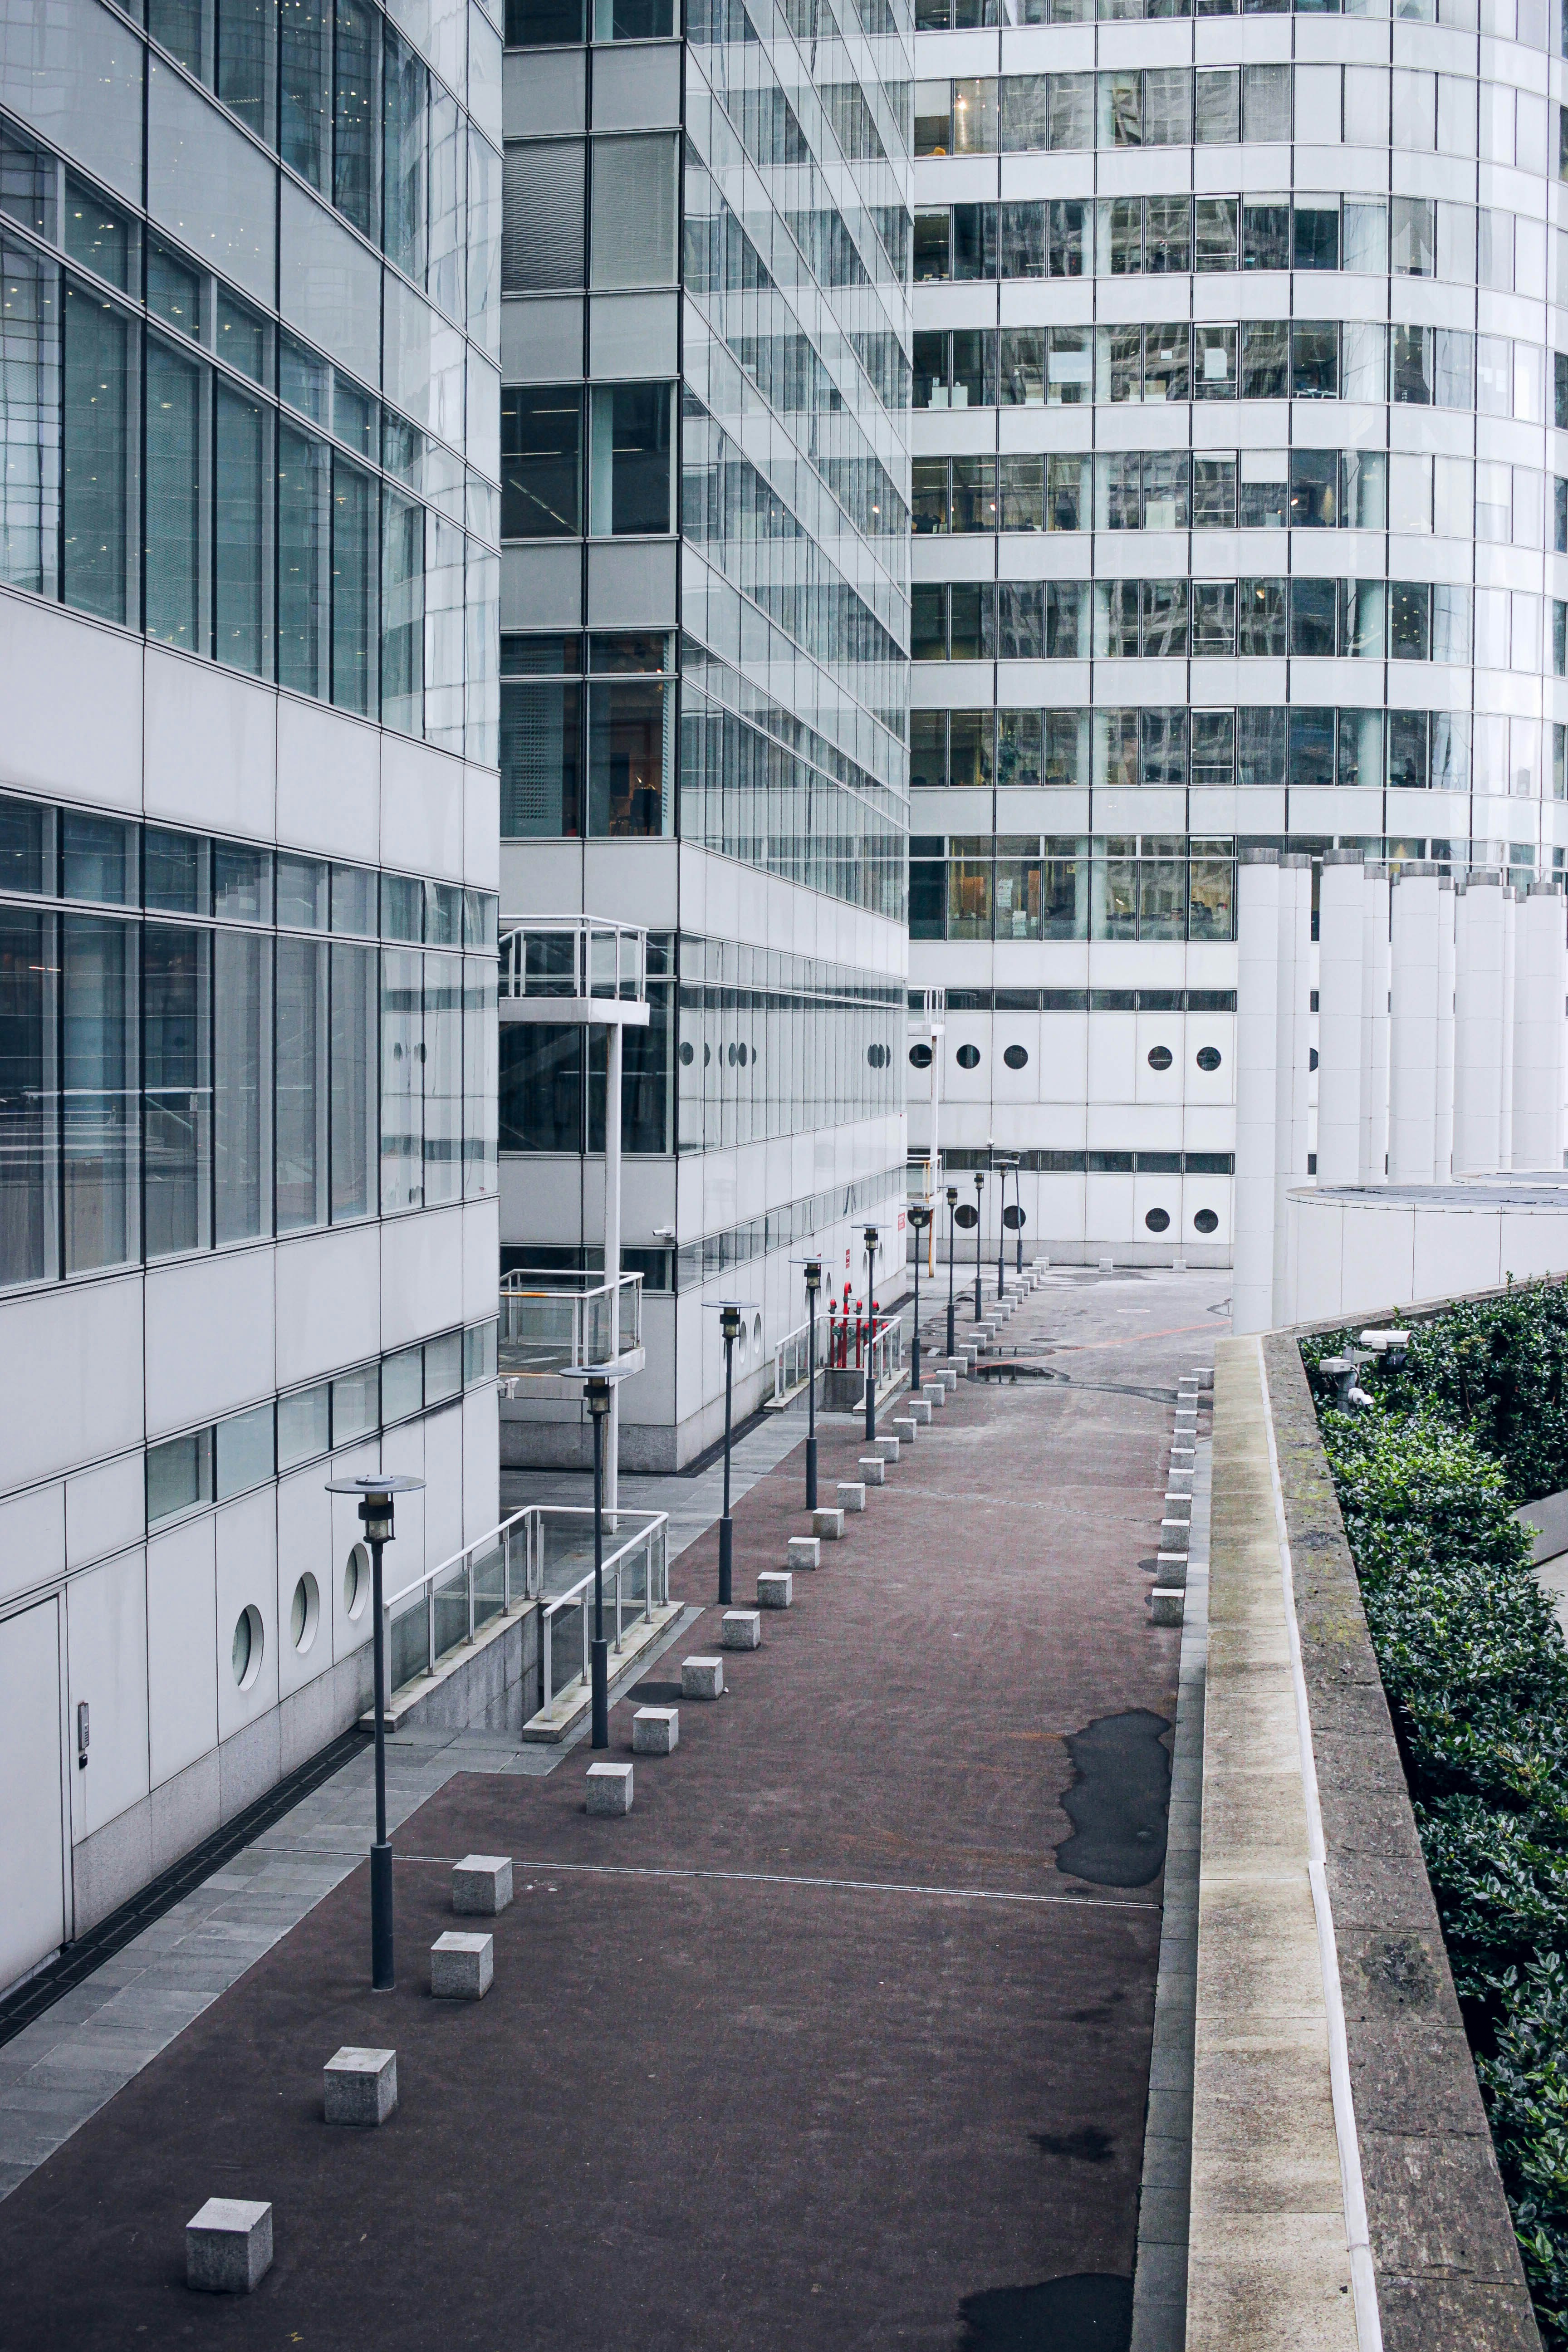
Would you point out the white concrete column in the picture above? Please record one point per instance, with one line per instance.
(1293, 1079)
(1478, 1025)
(1258, 895)
(1443, 1154)
(1541, 979)
(614, 1035)
(1341, 925)
(1413, 1026)
(1375, 1026)
(1505, 1035)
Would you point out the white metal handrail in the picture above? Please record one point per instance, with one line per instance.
(555, 1321)
(841, 1342)
(651, 1541)
(792, 1357)
(573, 956)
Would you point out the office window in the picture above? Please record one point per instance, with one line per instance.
(629, 459)
(542, 215)
(634, 211)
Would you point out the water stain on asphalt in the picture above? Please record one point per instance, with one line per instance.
(1118, 1802)
(1088, 2311)
(1089, 2145)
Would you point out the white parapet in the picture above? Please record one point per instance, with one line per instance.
(1540, 979)
(1477, 1025)
(1505, 1038)
(1341, 941)
(1292, 1082)
(1413, 1027)
(1375, 1027)
(1257, 1063)
(1443, 1147)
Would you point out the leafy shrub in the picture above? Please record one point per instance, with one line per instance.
(1476, 1673)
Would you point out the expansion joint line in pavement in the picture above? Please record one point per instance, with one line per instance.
(787, 1878)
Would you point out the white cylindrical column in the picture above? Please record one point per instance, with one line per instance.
(1505, 1034)
(1340, 924)
(1541, 977)
(1443, 1153)
(1413, 1025)
(1477, 1025)
(1375, 1026)
(1256, 1062)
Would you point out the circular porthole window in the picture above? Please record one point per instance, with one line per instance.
(967, 1215)
(1208, 1058)
(245, 1652)
(876, 1055)
(305, 1613)
(1158, 1221)
(1159, 1057)
(757, 1336)
(1205, 1221)
(920, 1057)
(969, 1058)
(1312, 1057)
(706, 1055)
(688, 1051)
(1016, 1057)
(356, 1580)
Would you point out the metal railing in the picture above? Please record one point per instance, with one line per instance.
(543, 1554)
(841, 1344)
(792, 1356)
(932, 1013)
(553, 1322)
(573, 955)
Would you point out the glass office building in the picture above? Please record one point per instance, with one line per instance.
(704, 633)
(249, 575)
(1239, 514)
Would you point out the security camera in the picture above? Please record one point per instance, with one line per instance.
(664, 1232)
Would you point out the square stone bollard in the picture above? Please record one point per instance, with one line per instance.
(887, 1447)
(908, 1428)
(934, 1394)
(360, 2086)
(827, 1525)
(851, 1495)
(805, 1551)
(609, 1791)
(743, 1629)
(1171, 1567)
(945, 1378)
(1165, 1606)
(873, 1470)
(462, 1966)
(775, 1589)
(228, 2246)
(703, 1679)
(1179, 1486)
(1174, 1535)
(918, 1408)
(656, 1730)
(481, 1885)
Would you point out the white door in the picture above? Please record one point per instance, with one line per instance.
(32, 1819)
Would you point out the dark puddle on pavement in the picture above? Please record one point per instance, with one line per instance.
(1090, 2146)
(1117, 1801)
(1089, 2311)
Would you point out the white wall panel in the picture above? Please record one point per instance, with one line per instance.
(481, 828)
(313, 744)
(246, 1535)
(55, 738)
(33, 1817)
(481, 1463)
(32, 1539)
(328, 1293)
(182, 1648)
(444, 1485)
(481, 1257)
(421, 1275)
(421, 809)
(403, 1450)
(211, 746)
(106, 1615)
(70, 1377)
(106, 1509)
(209, 1337)
(305, 1549)
(349, 1633)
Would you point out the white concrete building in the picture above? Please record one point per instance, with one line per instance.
(249, 867)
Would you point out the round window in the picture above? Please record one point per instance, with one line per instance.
(969, 1058)
(688, 1051)
(245, 1652)
(356, 1580)
(1016, 1057)
(706, 1055)
(876, 1055)
(920, 1057)
(1208, 1058)
(305, 1613)
(1205, 1221)
(1013, 1217)
(967, 1215)
(1312, 1057)
(1159, 1057)
(1158, 1220)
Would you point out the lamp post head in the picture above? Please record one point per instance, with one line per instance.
(920, 1218)
(979, 1180)
(375, 1491)
(870, 1237)
(952, 1196)
(730, 1324)
(596, 1394)
(814, 1274)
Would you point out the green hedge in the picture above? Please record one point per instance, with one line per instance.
(1476, 1673)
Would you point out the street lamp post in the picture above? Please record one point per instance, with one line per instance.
(1002, 1231)
(376, 1508)
(952, 1252)
(599, 1395)
(870, 1240)
(813, 1285)
(920, 1218)
(979, 1262)
(730, 1325)
(1018, 1208)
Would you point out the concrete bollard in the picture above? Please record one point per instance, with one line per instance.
(873, 1470)
(360, 2086)
(1171, 1567)
(228, 2246)
(775, 1589)
(906, 1428)
(743, 1629)
(887, 1447)
(1174, 1536)
(481, 1885)
(918, 1408)
(1179, 1483)
(462, 1967)
(934, 1394)
(1165, 1607)
(805, 1551)
(946, 1378)
(828, 1525)
(703, 1679)
(656, 1730)
(609, 1791)
(851, 1495)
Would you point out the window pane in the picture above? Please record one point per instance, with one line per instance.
(541, 732)
(402, 1092)
(177, 1089)
(354, 597)
(479, 1077)
(634, 211)
(245, 1451)
(29, 415)
(98, 1083)
(627, 725)
(29, 1104)
(242, 624)
(177, 393)
(99, 479)
(630, 459)
(179, 1475)
(401, 1384)
(443, 1080)
(354, 1057)
(302, 1084)
(403, 615)
(405, 118)
(304, 543)
(443, 1368)
(358, 114)
(305, 50)
(356, 1404)
(542, 433)
(304, 1425)
(541, 216)
(242, 1089)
